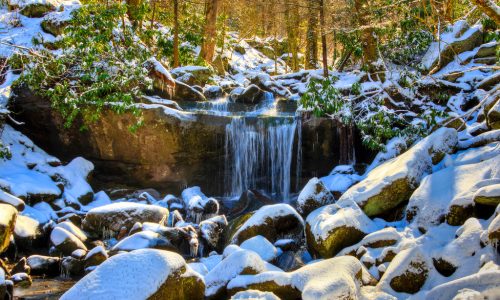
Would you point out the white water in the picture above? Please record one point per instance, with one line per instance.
(259, 155)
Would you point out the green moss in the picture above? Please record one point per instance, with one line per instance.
(388, 198)
(411, 281)
(338, 239)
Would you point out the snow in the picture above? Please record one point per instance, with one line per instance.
(262, 247)
(10, 199)
(26, 227)
(254, 295)
(489, 191)
(140, 240)
(412, 166)
(134, 275)
(59, 235)
(96, 250)
(7, 214)
(268, 212)
(482, 139)
(42, 212)
(315, 191)
(67, 225)
(478, 282)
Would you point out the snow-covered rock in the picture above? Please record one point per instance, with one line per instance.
(331, 228)
(488, 195)
(44, 265)
(27, 231)
(72, 228)
(493, 116)
(65, 241)
(334, 278)
(262, 247)
(141, 240)
(95, 256)
(34, 8)
(141, 274)
(8, 215)
(7, 198)
(254, 295)
(272, 222)
(313, 196)
(114, 216)
(212, 231)
(239, 262)
(199, 207)
(393, 182)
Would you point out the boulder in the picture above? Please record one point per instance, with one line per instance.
(250, 95)
(111, 218)
(334, 227)
(72, 267)
(184, 92)
(493, 116)
(393, 182)
(6, 198)
(289, 261)
(8, 215)
(96, 256)
(65, 241)
(141, 274)
(254, 295)
(213, 92)
(28, 233)
(489, 82)
(272, 222)
(141, 240)
(212, 232)
(313, 196)
(198, 75)
(198, 206)
(262, 247)
(21, 267)
(488, 195)
(33, 9)
(494, 231)
(407, 272)
(334, 278)
(69, 226)
(44, 265)
(55, 22)
(22, 280)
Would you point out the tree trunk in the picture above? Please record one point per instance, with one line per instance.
(312, 36)
(489, 8)
(323, 37)
(210, 32)
(176, 34)
(292, 24)
(368, 42)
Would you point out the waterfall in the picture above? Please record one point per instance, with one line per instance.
(259, 155)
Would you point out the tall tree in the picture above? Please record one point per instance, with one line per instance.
(176, 33)
(292, 31)
(312, 36)
(209, 36)
(368, 41)
(323, 37)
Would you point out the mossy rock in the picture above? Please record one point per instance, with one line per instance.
(412, 280)
(338, 239)
(493, 117)
(457, 214)
(234, 225)
(282, 291)
(37, 10)
(52, 27)
(8, 216)
(179, 287)
(389, 197)
(444, 267)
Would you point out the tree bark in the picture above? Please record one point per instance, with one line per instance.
(312, 36)
(323, 37)
(176, 34)
(209, 37)
(489, 8)
(368, 42)
(292, 23)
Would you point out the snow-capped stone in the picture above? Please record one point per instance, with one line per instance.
(199, 207)
(212, 231)
(272, 222)
(27, 231)
(393, 182)
(44, 265)
(141, 240)
(385, 237)
(72, 267)
(488, 195)
(192, 75)
(55, 22)
(450, 192)
(34, 8)
(8, 215)
(494, 230)
(493, 116)
(140, 274)
(407, 272)
(21, 279)
(7, 198)
(254, 295)
(114, 216)
(65, 241)
(331, 228)
(73, 229)
(250, 95)
(313, 196)
(239, 262)
(262, 247)
(334, 278)
(96, 256)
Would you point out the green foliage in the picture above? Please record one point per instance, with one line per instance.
(98, 67)
(406, 48)
(4, 152)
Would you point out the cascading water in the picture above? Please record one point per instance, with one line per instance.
(259, 155)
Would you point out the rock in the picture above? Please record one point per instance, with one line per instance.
(8, 215)
(184, 92)
(393, 182)
(96, 256)
(488, 195)
(21, 279)
(28, 233)
(79, 254)
(72, 267)
(334, 278)
(334, 227)
(65, 241)
(249, 201)
(493, 116)
(494, 231)
(55, 22)
(33, 9)
(21, 267)
(254, 295)
(143, 239)
(6, 198)
(199, 75)
(272, 222)
(458, 38)
(212, 232)
(163, 82)
(489, 82)
(44, 265)
(240, 49)
(250, 95)
(262, 247)
(3, 286)
(213, 92)
(487, 50)
(113, 217)
(239, 262)
(289, 261)
(444, 267)
(313, 196)
(407, 272)
(142, 274)
(73, 229)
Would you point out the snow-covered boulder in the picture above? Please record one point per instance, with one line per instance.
(21, 279)
(141, 240)
(393, 182)
(8, 215)
(262, 247)
(493, 116)
(335, 278)
(331, 228)
(213, 92)
(7, 198)
(313, 196)
(407, 272)
(458, 38)
(238, 262)
(65, 241)
(488, 195)
(55, 22)
(44, 265)
(141, 274)
(95, 256)
(27, 232)
(34, 8)
(192, 75)
(272, 222)
(212, 231)
(198, 206)
(114, 216)
(450, 192)
(250, 95)
(494, 230)
(254, 295)
(69, 226)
